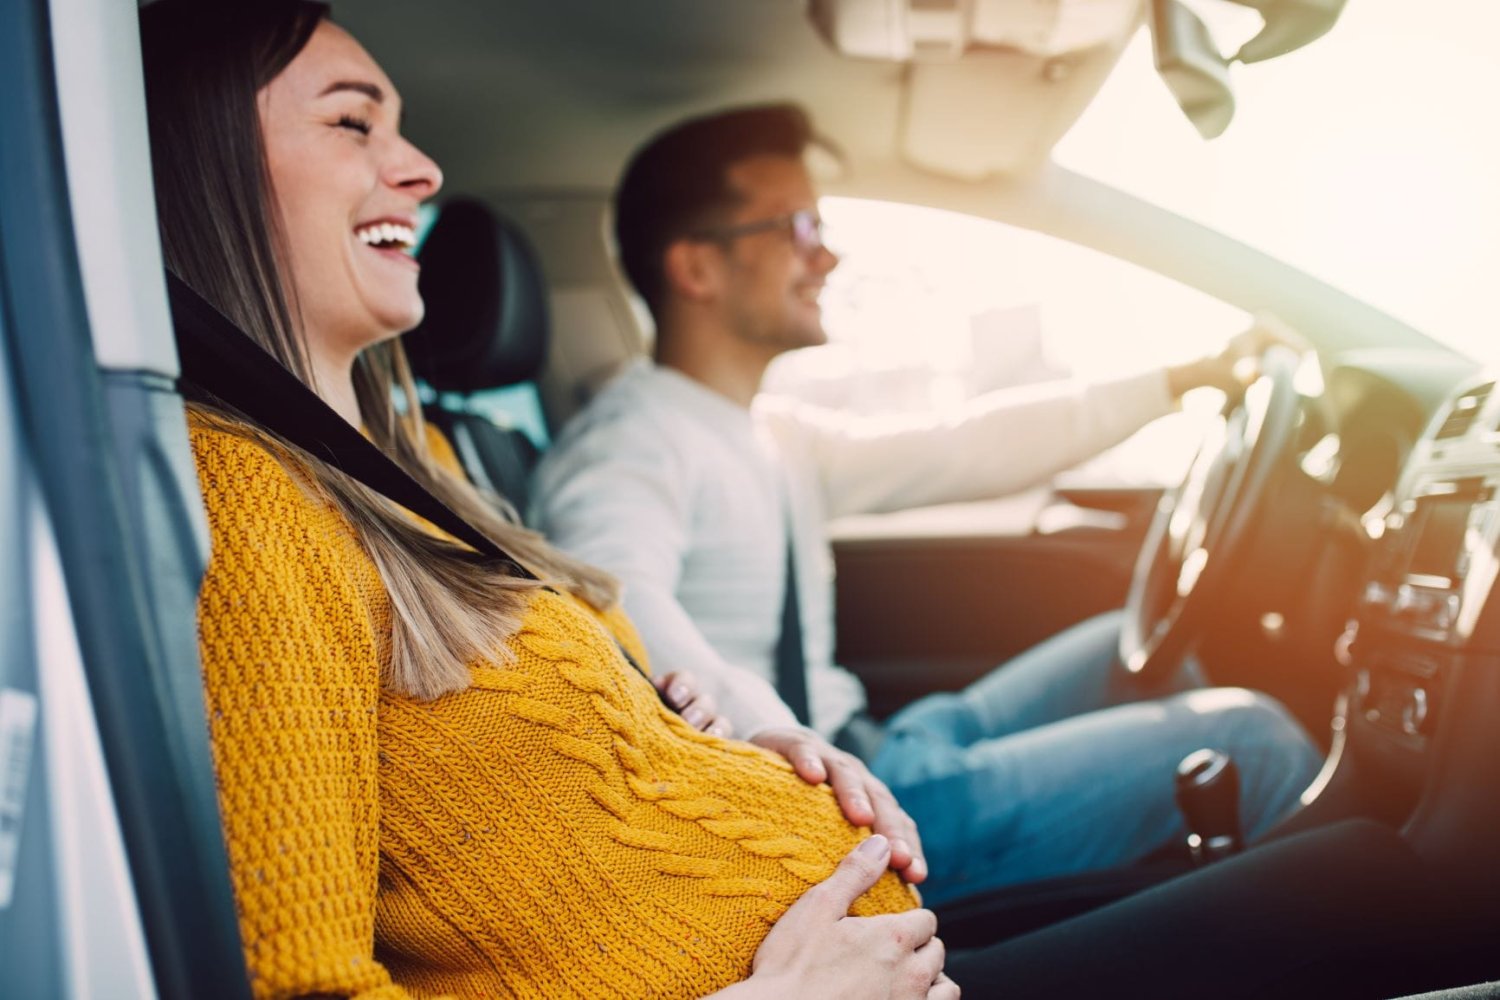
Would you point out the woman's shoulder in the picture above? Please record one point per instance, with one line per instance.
(221, 444)
(253, 493)
(233, 461)
(272, 535)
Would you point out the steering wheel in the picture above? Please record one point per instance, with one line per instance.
(1201, 528)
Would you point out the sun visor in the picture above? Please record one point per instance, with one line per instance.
(991, 85)
(925, 29)
(998, 113)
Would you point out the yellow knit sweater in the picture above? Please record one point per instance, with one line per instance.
(550, 831)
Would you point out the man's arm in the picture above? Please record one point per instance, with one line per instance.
(1007, 440)
(1000, 443)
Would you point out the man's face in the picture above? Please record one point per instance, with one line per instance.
(770, 295)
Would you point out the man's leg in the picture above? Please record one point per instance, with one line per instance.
(1076, 671)
(1089, 792)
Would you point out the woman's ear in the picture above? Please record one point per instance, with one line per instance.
(694, 269)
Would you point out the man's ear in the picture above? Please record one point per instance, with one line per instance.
(694, 269)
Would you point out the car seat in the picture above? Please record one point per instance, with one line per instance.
(486, 327)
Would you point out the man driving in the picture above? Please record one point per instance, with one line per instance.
(710, 503)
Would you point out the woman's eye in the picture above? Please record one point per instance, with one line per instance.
(360, 125)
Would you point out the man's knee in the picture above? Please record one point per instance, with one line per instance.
(1245, 716)
(923, 743)
(942, 717)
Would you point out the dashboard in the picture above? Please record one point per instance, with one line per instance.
(1425, 610)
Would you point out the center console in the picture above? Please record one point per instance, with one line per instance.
(1418, 740)
(1423, 610)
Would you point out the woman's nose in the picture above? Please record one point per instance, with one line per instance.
(415, 172)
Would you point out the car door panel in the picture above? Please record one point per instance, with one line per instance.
(919, 613)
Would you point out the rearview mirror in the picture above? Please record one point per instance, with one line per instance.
(1196, 72)
(1191, 66)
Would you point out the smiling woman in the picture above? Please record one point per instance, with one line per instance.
(347, 190)
(420, 750)
(270, 155)
(348, 806)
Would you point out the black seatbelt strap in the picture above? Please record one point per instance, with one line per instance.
(791, 656)
(219, 359)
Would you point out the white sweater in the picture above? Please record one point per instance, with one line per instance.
(679, 491)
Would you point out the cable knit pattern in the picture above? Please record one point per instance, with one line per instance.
(550, 831)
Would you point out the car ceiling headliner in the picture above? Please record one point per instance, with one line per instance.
(550, 96)
(554, 95)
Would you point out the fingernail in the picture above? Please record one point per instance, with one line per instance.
(860, 802)
(695, 717)
(875, 846)
(678, 693)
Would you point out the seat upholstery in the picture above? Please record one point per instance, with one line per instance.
(486, 327)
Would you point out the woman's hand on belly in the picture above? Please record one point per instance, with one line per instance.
(862, 797)
(817, 950)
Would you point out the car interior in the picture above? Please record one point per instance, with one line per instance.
(488, 329)
(1349, 499)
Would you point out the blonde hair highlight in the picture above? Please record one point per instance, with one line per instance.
(450, 606)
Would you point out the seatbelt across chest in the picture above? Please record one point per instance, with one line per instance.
(791, 655)
(791, 649)
(219, 359)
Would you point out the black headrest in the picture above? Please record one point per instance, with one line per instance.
(486, 324)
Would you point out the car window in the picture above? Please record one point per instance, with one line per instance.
(517, 407)
(1366, 159)
(929, 308)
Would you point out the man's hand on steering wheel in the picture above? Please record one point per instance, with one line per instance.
(1201, 528)
(863, 797)
(1237, 365)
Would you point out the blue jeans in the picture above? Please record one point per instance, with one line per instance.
(1061, 762)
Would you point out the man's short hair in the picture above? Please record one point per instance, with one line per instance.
(679, 182)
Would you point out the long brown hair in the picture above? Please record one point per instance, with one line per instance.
(204, 64)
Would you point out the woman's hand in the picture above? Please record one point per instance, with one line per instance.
(817, 950)
(863, 797)
(697, 708)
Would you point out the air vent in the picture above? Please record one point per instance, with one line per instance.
(1465, 409)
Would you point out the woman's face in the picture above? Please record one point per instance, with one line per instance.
(347, 187)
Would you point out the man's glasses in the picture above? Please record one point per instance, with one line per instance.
(804, 227)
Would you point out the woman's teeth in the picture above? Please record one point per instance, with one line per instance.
(387, 235)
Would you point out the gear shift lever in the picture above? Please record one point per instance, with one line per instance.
(1208, 793)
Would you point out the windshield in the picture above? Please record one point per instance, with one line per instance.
(1367, 159)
